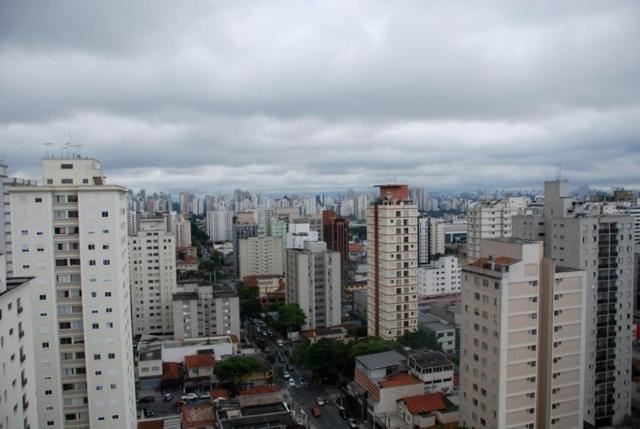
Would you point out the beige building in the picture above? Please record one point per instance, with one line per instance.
(313, 282)
(261, 256)
(523, 339)
(71, 235)
(182, 230)
(152, 254)
(18, 404)
(392, 260)
(491, 220)
(430, 239)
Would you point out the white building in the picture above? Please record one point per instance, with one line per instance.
(152, 254)
(392, 260)
(71, 235)
(260, 256)
(298, 234)
(202, 310)
(219, 225)
(5, 221)
(430, 239)
(441, 277)
(523, 339)
(183, 232)
(491, 220)
(18, 404)
(313, 282)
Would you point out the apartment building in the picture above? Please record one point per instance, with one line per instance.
(243, 227)
(313, 282)
(430, 239)
(392, 262)
(491, 220)
(260, 256)
(6, 182)
(182, 230)
(71, 235)
(441, 277)
(219, 225)
(152, 266)
(582, 235)
(298, 234)
(335, 231)
(523, 339)
(18, 404)
(205, 310)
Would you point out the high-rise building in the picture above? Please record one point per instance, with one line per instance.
(523, 339)
(431, 233)
(71, 235)
(241, 229)
(262, 255)
(491, 220)
(219, 225)
(392, 260)
(579, 235)
(186, 206)
(183, 232)
(441, 277)
(419, 197)
(5, 210)
(313, 282)
(18, 407)
(203, 310)
(336, 235)
(298, 234)
(152, 254)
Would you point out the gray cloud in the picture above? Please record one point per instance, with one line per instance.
(312, 95)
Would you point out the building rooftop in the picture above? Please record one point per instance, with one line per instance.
(12, 283)
(426, 358)
(398, 379)
(381, 360)
(185, 296)
(151, 354)
(425, 403)
(276, 420)
(199, 361)
(220, 393)
(197, 416)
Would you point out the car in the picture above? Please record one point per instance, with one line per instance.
(280, 343)
(264, 333)
(285, 375)
(315, 411)
(147, 400)
(168, 397)
(189, 397)
(292, 382)
(352, 423)
(320, 401)
(148, 413)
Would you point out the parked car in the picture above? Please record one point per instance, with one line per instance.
(320, 401)
(189, 397)
(168, 397)
(315, 411)
(285, 375)
(148, 413)
(352, 423)
(147, 400)
(292, 382)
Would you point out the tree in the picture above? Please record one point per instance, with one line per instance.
(235, 369)
(291, 316)
(249, 302)
(370, 345)
(420, 338)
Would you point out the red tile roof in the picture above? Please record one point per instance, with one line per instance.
(399, 379)
(151, 424)
(198, 361)
(426, 403)
(170, 371)
(259, 390)
(220, 393)
(197, 416)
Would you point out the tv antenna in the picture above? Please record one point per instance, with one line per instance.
(47, 154)
(559, 171)
(78, 147)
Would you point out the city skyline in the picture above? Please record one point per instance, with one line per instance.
(309, 96)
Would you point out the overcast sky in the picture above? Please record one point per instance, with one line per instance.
(312, 95)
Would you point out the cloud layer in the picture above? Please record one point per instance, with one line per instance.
(307, 95)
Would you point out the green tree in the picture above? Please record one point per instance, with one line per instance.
(420, 338)
(291, 316)
(235, 369)
(370, 345)
(249, 302)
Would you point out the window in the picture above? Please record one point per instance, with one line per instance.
(66, 166)
(106, 262)
(112, 356)
(92, 262)
(105, 214)
(42, 297)
(95, 326)
(96, 356)
(92, 246)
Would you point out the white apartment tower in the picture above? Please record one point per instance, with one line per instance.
(71, 235)
(18, 405)
(183, 232)
(392, 260)
(580, 235)
(261, 255)
(441, 277)
(313, 282)
(430, 239)
(491, 220)
(523, 339)
(219, 225)
(152, 254)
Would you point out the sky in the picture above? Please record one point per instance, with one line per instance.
(298, 95)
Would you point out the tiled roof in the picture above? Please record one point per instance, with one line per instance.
(220, 393)
(399, 379)
(259, 390)
(196, 416)
(425, 403)
(170, 371)
(198, 361)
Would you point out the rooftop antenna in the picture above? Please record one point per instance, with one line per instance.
(559, 171)
(77, 147)
(65, 150)
(47, 154)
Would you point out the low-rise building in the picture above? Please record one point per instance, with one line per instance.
(433, 368)
(441, 277)
(445, 333)
(429, 410)
(198, 371)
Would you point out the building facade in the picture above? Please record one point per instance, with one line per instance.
(430, 239)
(441, 277)
(219, 225)
(261, 256)
(578, 235)
(392, 261)
(336, 234)
(71, 235)
(152, 254)
(313, 282)
(523, 339)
